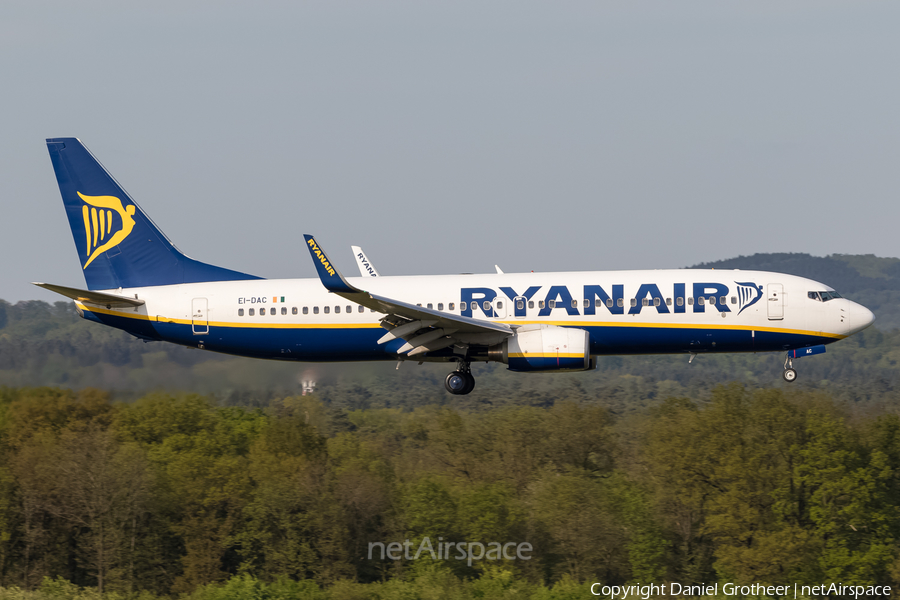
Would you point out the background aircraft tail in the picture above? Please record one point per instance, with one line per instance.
(118, 244)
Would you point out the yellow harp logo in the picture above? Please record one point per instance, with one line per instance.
(98, 214)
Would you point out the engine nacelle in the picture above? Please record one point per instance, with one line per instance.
(545, 348)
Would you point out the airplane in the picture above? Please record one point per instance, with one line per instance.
(138, 281)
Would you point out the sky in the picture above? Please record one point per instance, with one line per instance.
(450, 137)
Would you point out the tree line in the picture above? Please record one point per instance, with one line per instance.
(43, 344)
(171, 494)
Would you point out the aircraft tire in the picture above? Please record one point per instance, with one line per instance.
(457, 383)
(790, 375)
(470, 385)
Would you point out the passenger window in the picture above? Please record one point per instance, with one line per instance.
(240, 312)
(440, 306)
(734, 299)
(486, 306)
(499, 304)
(305, 310)
(284, 310)
(337, 310)
(668, 302)
(326, 309)
(430, 305)
(451, 305)
(251, 312)
(609, 302)
(540, 304)
(348, 310)
(531, 304)
(723, 300)
(701, 300)
(691, 301)
(551, 303)
(574, 303)
(712, 300)
(294, 310)
(620, 302)
(262, 311)
(645, 302)
(656, 302)
(462, 306)
(520, 305)
(361, 308)
(679, 301)
(634, 301)
(586, 303)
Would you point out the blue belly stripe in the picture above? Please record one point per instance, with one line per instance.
(361, 344)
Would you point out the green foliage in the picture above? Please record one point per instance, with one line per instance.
(176, 494)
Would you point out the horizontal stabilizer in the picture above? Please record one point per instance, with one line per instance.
(101, 298)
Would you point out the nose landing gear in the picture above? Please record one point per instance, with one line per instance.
(460, 382)
(790, 375)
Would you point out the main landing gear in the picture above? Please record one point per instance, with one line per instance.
(460, 382)
(790, 375)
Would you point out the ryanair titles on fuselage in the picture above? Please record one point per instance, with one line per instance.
(703, 294)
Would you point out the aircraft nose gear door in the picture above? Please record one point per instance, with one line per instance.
(776, 301)
(199, 318)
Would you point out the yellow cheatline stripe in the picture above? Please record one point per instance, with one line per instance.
(162, 319)
(545, 355)
(377, 326)
(836, 336)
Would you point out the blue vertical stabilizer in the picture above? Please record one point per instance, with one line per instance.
(119, 246)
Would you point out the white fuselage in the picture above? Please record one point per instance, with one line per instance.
(625, 312)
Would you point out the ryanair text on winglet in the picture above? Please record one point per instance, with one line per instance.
(322, 259)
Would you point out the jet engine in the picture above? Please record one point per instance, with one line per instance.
(545, 348)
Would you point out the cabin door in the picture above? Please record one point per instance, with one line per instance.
(776, 301)
(199, 317)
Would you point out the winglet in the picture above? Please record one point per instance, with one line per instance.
(328, 273)
(366, 268)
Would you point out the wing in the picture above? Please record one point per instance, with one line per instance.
(366, 268)
(424, 329)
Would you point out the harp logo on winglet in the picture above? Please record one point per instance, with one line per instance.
(106, 224)
(321, 256)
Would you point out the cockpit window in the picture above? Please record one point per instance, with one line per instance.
(823, 296)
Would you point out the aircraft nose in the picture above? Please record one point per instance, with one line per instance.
(860, 317)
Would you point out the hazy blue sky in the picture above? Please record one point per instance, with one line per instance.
(448, 137)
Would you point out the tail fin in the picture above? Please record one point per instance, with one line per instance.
(119, 246)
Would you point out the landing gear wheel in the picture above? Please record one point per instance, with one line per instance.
(790, 375)
(471, 383)
(457, 383)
